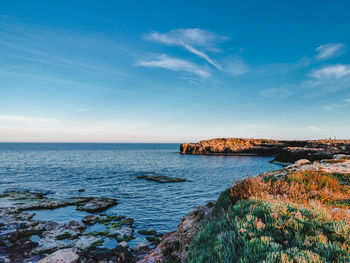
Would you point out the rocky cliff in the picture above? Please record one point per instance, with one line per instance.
(282, 150)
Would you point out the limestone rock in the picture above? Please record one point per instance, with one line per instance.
(97, 205)
(302, 161)
(85, 242)
(67, 255)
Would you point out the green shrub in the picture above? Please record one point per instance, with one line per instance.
(224, 200)
(265, 231)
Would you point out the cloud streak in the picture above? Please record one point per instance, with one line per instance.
(328, 78)
(330, 50)
(25, 119)
(190, 39)
(331, 72)
(236, 66)
(174, 64)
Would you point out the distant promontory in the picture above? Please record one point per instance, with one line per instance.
(283, 150)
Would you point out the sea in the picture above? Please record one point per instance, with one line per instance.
(111, 170)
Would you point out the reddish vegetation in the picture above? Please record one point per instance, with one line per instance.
(303, 187)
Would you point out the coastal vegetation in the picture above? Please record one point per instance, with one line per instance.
(291, 216)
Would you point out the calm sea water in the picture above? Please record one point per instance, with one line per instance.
(111, 170)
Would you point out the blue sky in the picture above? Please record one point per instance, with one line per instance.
(173, 71)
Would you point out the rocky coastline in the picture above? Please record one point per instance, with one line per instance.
(285, 151)
(82, 241)
(24, 238)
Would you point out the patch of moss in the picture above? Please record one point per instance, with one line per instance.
(97, 233)
(125, 238)
(107, 219)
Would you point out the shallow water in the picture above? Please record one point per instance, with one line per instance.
(111, 170)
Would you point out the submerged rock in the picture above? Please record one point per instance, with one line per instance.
(67, 255)
(161, 178)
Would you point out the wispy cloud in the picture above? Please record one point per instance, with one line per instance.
(330, 72)
(330, 50)
(328, 78)
(236, 66)
(83, 110)
(283, 68)
(25, 119)
(277, 92)
(191, 39)
(175, 64)
(341, 104)
(31, 46)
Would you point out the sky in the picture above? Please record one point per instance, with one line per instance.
(173, 71)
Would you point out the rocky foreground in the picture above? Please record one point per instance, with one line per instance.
(23, 238)
(282, 150)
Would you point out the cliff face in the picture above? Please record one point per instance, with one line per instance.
(282, 150)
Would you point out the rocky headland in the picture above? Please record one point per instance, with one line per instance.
(283, 150)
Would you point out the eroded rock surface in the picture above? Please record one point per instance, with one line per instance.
(68, 255)
(63, 241)
(97, 205)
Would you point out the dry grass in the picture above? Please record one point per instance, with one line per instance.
(299, 187)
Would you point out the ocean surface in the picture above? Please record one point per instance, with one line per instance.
(111, 170)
